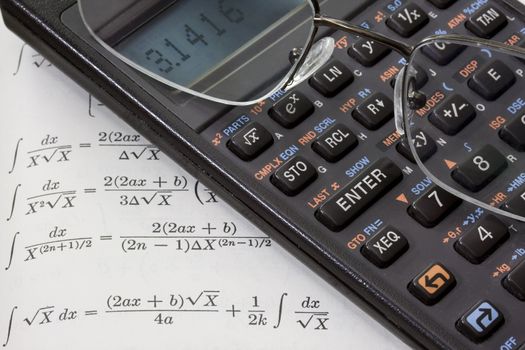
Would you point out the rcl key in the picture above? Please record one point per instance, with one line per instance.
(294, 176)
(335, 143)
(385, 247)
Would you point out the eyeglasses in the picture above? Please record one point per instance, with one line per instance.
(234, 51)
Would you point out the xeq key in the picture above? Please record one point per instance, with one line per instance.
(433, 206)
(487, 22)
(385, 247)
(492, 81)
(482, 240)
(480, 169)
(292, 109)
(332, 79)
(514, 134)
(358, 195)
(335, 143)
(294, 176)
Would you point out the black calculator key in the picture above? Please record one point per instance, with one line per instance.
(514, 133)
(480, 169)
(375, 111)
(442, 4)
(294, 176)
(368, 52)
(292, 109)
(424, 144)
(515, 281)
(481, 321)
(385, 247)
(359, 194)
(452, 115)
(432, 284)
(335, 143)
(332, 78)
(516, 204)
(442, 53)
(408, 20)
(481, 241)
(251, 141)
(492, 81)
(433, 206)
(487, 22)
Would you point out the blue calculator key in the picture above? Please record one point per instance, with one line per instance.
(481, 321)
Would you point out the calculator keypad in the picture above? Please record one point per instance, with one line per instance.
(368, 204)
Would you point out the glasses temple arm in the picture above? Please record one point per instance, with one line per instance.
(402, 48)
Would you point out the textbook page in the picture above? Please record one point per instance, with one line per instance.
(108, 244)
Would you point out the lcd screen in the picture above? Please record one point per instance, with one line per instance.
(191, 38)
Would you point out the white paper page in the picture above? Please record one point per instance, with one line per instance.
(107, 244)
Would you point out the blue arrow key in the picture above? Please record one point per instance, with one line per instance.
(481, 321)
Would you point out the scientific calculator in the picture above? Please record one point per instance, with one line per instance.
(439, 272)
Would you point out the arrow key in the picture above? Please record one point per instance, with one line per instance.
(433, 284)
(375, 111)
(480, 322)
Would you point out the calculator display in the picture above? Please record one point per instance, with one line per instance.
(191, 38)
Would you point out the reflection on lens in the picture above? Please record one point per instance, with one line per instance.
(229, 49)
(469, 137)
